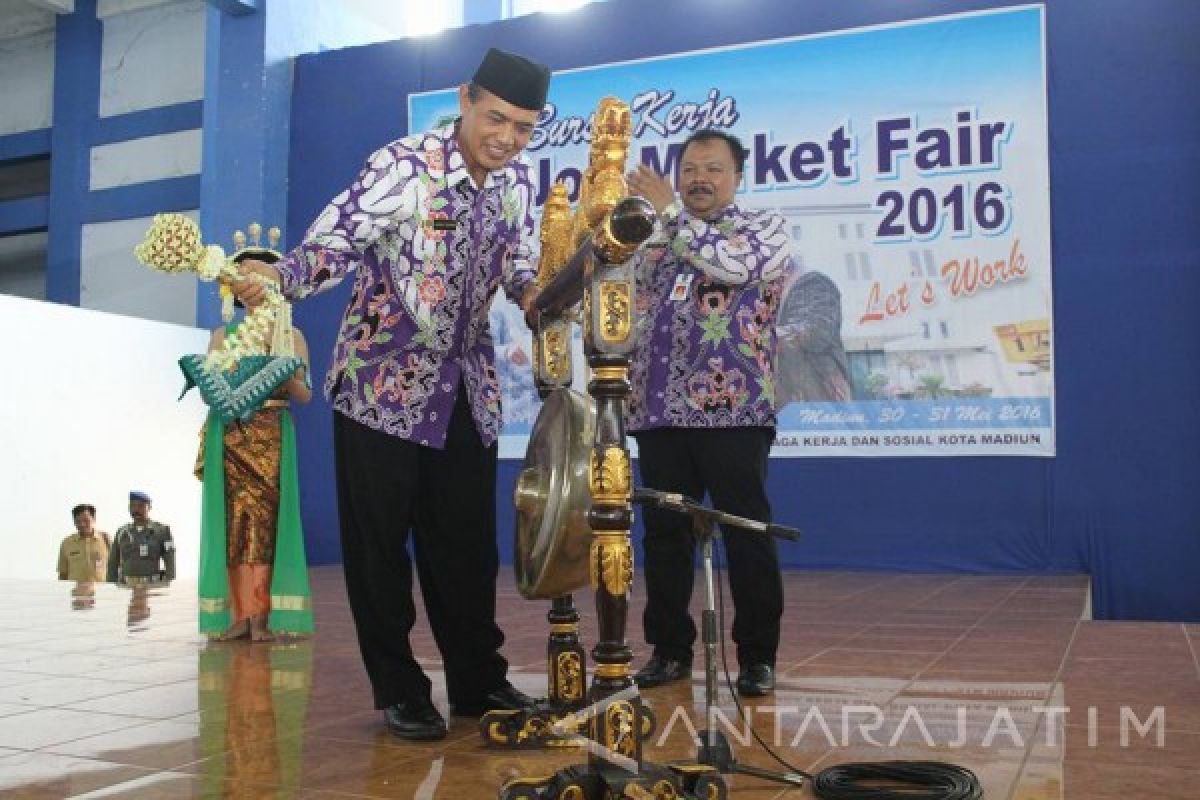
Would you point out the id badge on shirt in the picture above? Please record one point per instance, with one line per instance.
(143, 550)
(683, 283)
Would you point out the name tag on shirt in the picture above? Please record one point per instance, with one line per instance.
(143, 550)
(683, 283)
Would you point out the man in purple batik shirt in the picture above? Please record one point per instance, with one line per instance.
(702, 406)
(433, 225)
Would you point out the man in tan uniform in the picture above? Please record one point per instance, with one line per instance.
(83, 556)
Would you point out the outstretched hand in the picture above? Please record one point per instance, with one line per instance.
(647, 183)
(251, 289)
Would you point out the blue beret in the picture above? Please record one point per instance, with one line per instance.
(145, 498)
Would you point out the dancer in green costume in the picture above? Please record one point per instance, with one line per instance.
(253, 571)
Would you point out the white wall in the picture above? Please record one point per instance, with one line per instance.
(23, 265)
(26, 78)
(88, 411)
(112, 279)
(149, 158)
(153, 55)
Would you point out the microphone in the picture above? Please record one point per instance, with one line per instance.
(673, 501)
(653, 497)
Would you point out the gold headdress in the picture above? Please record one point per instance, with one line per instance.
(252, 248)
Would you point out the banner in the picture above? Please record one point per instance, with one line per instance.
(910, 161)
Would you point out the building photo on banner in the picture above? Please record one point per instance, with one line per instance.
(918, 318)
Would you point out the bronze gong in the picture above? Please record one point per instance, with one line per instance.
(550, 550)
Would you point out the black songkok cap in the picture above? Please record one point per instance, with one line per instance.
(514, 79)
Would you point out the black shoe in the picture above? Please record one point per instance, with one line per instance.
(660, 670)
(756, 680)
(506, 698)
(416, 720)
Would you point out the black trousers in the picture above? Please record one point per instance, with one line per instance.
(730, 465)
(389, 488)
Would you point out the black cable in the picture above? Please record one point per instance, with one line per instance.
(878, 780)
(725, 666)
(897, 780)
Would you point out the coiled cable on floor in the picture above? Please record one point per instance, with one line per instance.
(870, 780)
(897, 780)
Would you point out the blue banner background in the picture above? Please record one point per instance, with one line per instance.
(838, 126)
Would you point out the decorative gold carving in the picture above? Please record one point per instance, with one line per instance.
(569, 675)
(612, 562)
(579, 226)
(664, 790)
(555, 352)
(612, 671)
(497, 733)
(610, 476)
(586, 319)
(572, 792)
(507, 728)
(612, 129)
(620, 733)
(603, 182)
(532, 784)
(555, 235)
(611, 373)
(693, 769)
(616, 310)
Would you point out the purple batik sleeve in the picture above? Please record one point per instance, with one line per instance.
(737, 248)
(381, 196)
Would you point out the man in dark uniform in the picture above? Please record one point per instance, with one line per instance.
(143, 551)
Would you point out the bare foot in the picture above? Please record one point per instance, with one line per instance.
(238, 630)
(259, 631)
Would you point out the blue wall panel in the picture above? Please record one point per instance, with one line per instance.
(23, 215)
(1119, 501)
(143, 199)
(25, 145)
(148, 122)
(77, 45)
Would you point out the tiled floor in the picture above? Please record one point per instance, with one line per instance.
(103, 698)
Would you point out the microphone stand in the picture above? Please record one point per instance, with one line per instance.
(713, 747)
